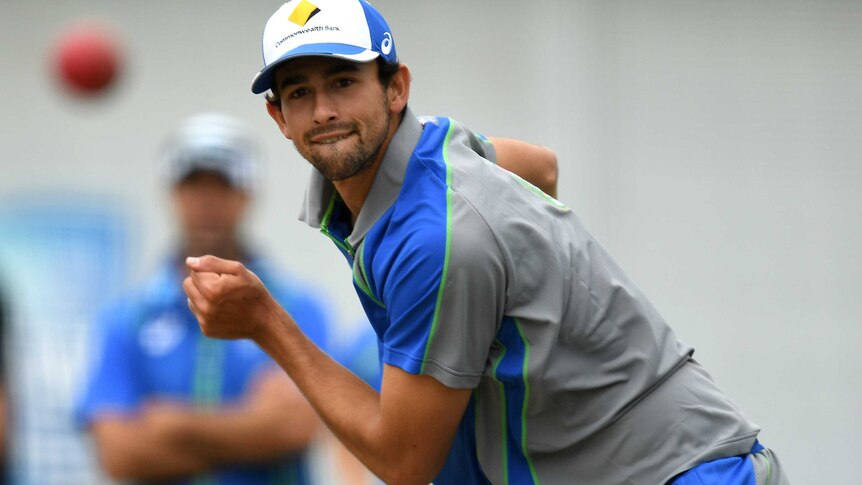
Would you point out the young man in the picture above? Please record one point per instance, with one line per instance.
(165, 402)
(514, 348)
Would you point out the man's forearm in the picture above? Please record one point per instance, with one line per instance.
(402, 435)
(349, 407)
(389, 446)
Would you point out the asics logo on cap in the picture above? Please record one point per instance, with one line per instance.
(386, 45)
(303, 13)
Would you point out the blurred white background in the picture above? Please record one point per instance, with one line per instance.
(713, 147)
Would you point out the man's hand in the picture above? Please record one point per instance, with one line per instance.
(229, 301)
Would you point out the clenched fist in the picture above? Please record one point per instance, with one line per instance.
(229, 301)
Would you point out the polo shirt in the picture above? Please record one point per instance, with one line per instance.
(473, 276)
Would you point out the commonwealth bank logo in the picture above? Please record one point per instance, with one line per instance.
(303, 13)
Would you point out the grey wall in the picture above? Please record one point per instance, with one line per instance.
(712, 147)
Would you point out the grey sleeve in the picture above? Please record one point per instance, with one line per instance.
(473, 302)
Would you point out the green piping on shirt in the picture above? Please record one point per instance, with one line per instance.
(504, 424)
(539, 192)
(324, 227)
(207, 383)
(209, 362)
(362, 283)
(434, 321)
(526, 400)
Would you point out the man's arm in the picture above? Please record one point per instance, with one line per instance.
(403, 434)
(533, 163)
(350, 471)
(169, 440)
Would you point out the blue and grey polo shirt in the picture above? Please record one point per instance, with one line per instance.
(473, 276)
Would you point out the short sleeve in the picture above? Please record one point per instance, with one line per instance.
(445, 296)
(114, 384)
(477, 142)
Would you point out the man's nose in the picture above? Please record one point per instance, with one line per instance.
(324, 108)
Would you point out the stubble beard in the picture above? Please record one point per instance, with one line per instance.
(342, 164)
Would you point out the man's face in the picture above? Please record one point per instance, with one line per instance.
(209, 211)
(335, 111)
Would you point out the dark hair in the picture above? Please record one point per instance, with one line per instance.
(385, 73)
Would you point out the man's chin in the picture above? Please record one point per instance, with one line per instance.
(339, 170)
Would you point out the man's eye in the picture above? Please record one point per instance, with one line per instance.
(298, 93)
(343, 83)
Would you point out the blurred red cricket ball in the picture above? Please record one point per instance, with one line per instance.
(87, 58)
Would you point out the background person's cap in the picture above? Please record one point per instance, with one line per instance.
(213, 141)
(350, 29)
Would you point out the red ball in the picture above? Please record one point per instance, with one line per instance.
(87, 58)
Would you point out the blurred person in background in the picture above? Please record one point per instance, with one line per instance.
(165, 403)
(4, 411)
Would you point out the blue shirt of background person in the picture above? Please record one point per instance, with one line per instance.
(152, 349)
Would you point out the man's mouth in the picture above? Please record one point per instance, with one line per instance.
(330, 134)
(329, 138)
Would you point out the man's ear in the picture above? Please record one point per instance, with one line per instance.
(277, 116)
(399, 89)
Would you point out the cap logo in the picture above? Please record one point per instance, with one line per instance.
(303, 13)
(386, 45)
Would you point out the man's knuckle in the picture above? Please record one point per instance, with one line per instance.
(204, 308)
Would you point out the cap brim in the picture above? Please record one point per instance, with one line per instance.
(264, 80)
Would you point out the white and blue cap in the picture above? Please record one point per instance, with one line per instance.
(214, 142)
(350, 29)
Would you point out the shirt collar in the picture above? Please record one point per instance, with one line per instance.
(384, 190)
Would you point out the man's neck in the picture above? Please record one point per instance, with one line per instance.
(354, 191)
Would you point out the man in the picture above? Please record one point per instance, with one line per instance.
(166, 403)
(514, 348)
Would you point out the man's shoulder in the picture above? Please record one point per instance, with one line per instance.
(441, 133)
